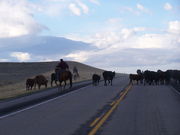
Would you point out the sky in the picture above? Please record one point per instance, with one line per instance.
(119, 35)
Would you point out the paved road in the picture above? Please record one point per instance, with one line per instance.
(64, 115)
(146, 110)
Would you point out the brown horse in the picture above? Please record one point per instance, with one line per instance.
(64, 76)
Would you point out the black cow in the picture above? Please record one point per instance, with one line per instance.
(108, 75)
(136, 77)
(53, 79)
(95, 79)
(30, 83)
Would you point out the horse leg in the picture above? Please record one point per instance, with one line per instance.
(60, 86)
(64, 84)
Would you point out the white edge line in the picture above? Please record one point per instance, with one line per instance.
(47, 101)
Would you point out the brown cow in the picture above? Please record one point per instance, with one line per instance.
(30, 83)
(135, 77)
(41, 80)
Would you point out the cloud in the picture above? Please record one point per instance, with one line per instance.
(84, 7)
(131, 47)
(137, 11)
(168, 6)
(78, 8)
(16, 19)
(142, 8)
(4, 60)
(174, 27)
(21, 56)
(95, 2)
(74, 9)
(129, 9)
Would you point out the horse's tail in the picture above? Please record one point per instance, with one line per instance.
(70, 79)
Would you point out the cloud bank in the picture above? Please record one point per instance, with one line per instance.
(16, 19)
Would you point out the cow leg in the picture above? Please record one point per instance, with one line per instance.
(51, 83)
(105, 83)
(56, 82)
(109, 81)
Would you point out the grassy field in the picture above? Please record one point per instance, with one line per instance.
(13, 75)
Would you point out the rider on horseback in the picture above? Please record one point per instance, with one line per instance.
(61, 67)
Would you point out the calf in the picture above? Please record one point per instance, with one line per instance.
(30, 83)
(95, 79)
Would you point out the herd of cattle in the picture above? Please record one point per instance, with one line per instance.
(146, 77)
(157, 78)
(41, 80)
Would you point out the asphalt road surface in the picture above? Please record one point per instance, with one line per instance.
(63, 115)
(146, 110)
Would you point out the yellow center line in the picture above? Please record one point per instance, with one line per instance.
(105, 117)
(94, 122)
(113, 103)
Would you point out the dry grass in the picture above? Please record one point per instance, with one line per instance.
(14, 75)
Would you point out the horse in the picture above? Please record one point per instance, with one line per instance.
(108, 75)
(40, 80)
(53, 79)
(63, 77)
(30, 83)
(136, 77)
(95, 79)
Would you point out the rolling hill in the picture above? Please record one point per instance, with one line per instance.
(14, 75)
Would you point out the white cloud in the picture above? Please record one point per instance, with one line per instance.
(16, 19)
(95, 2)
(21, 56)
(129, 9)
(142, 8)
(74, 9)
(78, 8)
(137, 11)
(131, 47)
(84, 7)
(81, 56)
(168, 6)
(174, 27)
(4, 60)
